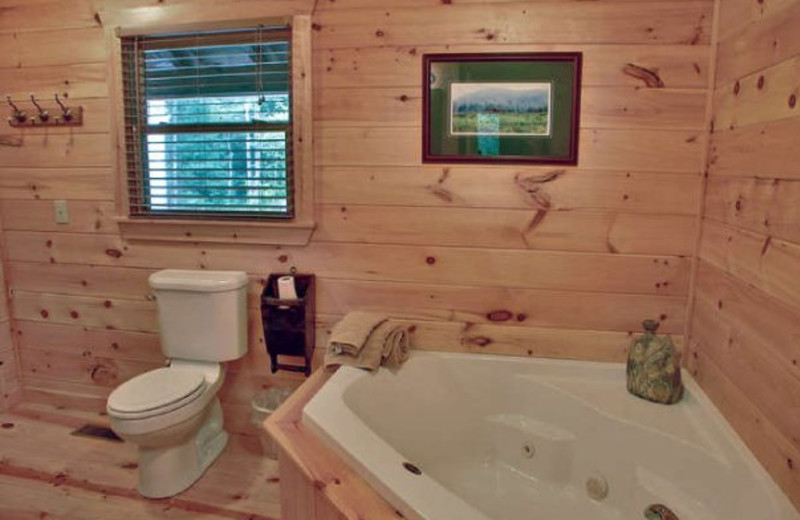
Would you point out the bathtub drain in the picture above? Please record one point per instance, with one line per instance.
(528, 450)
(412, 468)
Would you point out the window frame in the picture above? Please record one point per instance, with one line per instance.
(283, 231)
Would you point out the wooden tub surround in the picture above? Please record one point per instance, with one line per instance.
(315, 482)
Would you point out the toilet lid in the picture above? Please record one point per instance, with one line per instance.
(160, 389)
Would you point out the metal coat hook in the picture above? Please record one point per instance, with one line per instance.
(66, 113)
(43, 115)
(19, 115)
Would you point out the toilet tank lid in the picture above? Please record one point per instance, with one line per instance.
(198, 281)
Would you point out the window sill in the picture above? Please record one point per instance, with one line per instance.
(221, 232)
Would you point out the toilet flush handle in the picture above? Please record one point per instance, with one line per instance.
(151, 297)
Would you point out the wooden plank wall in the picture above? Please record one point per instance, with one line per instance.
(570, 260)
(745, 326)
(10, 381)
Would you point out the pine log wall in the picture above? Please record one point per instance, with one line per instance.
(517, 260)
(745, 323)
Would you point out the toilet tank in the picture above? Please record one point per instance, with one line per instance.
(202, 315)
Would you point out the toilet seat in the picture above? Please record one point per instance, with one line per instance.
(155, 393)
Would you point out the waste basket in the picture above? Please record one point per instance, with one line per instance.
(264, 403)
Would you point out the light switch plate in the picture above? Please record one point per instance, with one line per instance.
(61, 211)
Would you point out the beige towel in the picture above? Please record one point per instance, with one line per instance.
(350, 335)
(387, 344)
(395, 347)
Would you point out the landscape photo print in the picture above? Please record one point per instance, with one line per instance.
(500, 108)
(492, 108)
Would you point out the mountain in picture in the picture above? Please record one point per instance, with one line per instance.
(500, 108)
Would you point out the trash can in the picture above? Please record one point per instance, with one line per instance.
(263, 404)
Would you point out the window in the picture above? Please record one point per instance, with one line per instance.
(208, 124)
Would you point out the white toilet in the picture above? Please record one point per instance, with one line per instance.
(173, 413)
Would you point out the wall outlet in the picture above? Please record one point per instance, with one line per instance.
(61, 211)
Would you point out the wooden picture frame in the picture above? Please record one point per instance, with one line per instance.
(501, 108)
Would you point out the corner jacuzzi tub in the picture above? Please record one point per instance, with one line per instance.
(471, 437)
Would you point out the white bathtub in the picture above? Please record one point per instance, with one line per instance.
(511, 439)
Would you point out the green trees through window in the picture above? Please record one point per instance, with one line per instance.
(217, 171)
(208, 123)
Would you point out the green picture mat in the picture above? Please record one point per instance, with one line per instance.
(560, 74)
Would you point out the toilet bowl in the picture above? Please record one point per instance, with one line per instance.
(174, 417)
(173, 414)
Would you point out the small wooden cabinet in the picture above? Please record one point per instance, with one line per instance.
(289, 324)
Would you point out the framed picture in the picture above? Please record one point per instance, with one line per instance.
(501, 108)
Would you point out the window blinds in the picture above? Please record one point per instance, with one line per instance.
(208, 124)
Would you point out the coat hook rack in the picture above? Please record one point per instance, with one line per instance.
(68, 116)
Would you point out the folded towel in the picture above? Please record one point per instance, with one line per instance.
(395, 347)
(369, 357)
(387, 344)
(350, 335)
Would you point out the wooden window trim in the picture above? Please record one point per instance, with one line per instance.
(296, 231)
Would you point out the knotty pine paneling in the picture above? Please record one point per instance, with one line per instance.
(744, 324)
(765, 205)
(572, 258)
(81, 183)
(117, 344)
(741, 14)
(31, 254)
(515, 22)
(40, 15)
(734, 351)
(512, 188)
(46, 48)
(764, 151)
(44, 150)
(580, 231)
(639, 274)
(514, 307)
(10, 380)
(108, 372)
(762, 34)
(641, 150)
(142, 14)
(768, 443)
(133, 315)
(87, 80)
(37, 215)
(765, 95)
(10, 385)
(679, 66)
(771, 264)
(328, 5)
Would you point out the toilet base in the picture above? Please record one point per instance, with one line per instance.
(166, 471)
